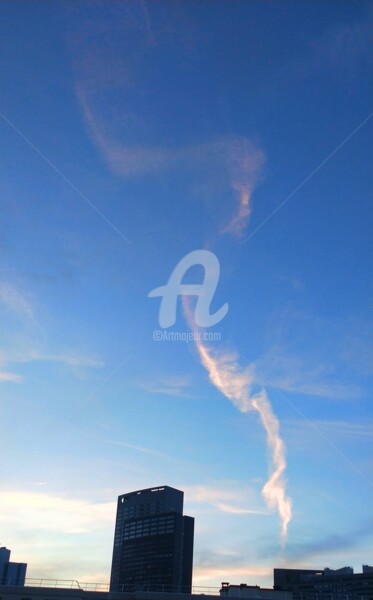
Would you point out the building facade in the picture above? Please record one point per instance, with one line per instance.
(325, 584)
(11, 573)
(77, 593)
(253, 592)
(153, 542)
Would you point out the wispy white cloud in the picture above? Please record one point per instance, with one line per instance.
(356, 347)
(347, 431)
(171, 386)
(347, 428)
(296, 382)
(234, 160)
(28, 345)
(70, 359)
(292, 364)
(11, 377)
(24, 511)
(123, 132)
(16, 301)
(341, 50)
(141, 449)
(238, 222)
(248, 162)
(327, 545)
(227, 496)
(56, 527)
(21, 354)
(235, 510)
(345, 45)
(236, 384)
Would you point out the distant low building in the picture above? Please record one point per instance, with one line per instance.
(325, 584)
(11, 573)
(252, 591)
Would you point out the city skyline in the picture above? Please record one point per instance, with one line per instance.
(139, 136)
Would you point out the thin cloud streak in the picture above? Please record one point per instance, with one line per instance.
(236, 384)
(345, 430)
(292, 366)
(11, 377)
(71, 360)
(170, 386)
(328, 544)
(293, 375)
(20, 348)
(15, 301)
(19, 357)
(223, 496)
(234, 510)
(141, 449)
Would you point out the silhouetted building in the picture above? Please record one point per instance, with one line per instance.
(325, 584)
(74, 591)
(78, 593)
(253, 592)
(11, 573)
(153, 542)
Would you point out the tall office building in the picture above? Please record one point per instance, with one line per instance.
(11, 573)
(153, 542)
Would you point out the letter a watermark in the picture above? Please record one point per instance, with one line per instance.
(205, 291)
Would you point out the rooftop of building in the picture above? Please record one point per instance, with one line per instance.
(79, 593)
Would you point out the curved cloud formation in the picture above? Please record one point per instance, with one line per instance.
(235, 162)
(136, 128)
(236, 384)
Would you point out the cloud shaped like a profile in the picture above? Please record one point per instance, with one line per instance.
(133, 139)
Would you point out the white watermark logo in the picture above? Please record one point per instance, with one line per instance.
(161, 335)
(204, 291)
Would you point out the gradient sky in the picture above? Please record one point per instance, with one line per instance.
(135, 132)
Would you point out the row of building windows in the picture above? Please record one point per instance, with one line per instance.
(148, 508)
(144, 528)
(148, 552)
(152, 560)
(133, 535)
(151, 519)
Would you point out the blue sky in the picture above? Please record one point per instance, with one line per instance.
(135, 133)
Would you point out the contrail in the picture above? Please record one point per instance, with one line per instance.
(235, 383)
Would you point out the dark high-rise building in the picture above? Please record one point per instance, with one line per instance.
(153, 542)
(11, 573)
